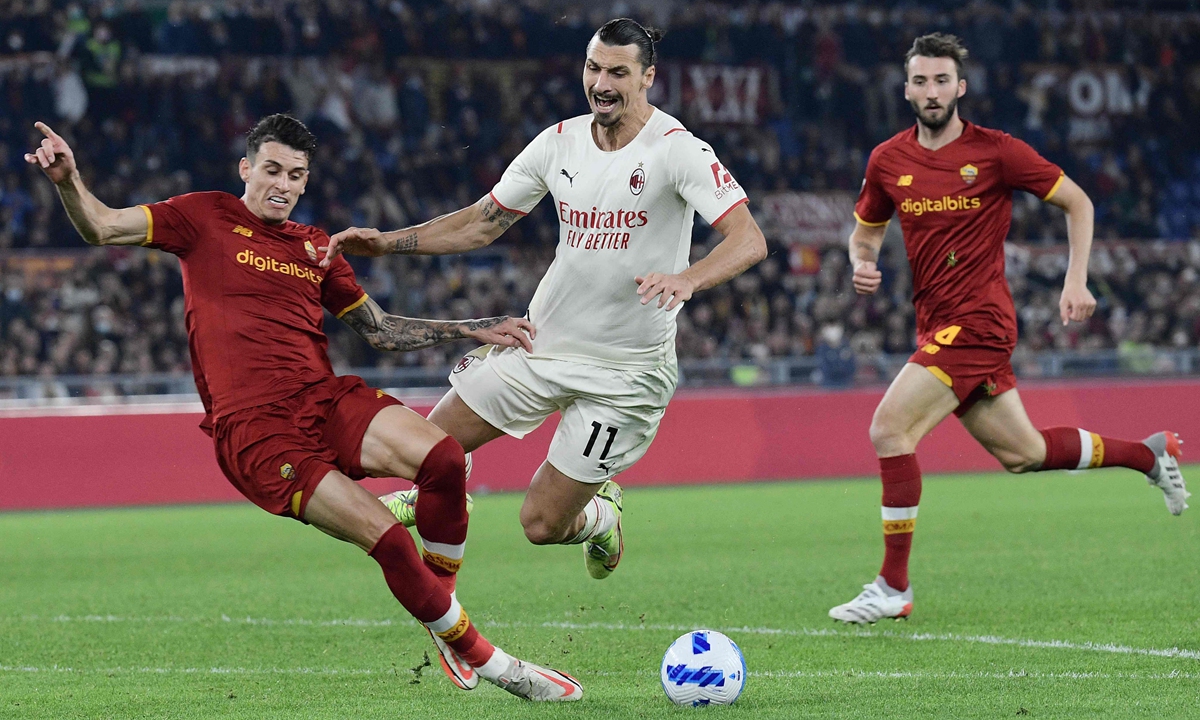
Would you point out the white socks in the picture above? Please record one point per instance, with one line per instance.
(598, 518)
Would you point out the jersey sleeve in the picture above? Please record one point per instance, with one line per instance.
(1024, 169)
(523, 184)
(173, 225)
(340, 291)
(701, 180)
(874, 207)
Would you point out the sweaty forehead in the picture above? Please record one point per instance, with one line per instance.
(286, 157)
(612, 56)
(931, 67)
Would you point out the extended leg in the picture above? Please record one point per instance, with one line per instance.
(344, 510)
(1002, 426)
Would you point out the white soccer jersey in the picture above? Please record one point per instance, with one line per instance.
(621, 214)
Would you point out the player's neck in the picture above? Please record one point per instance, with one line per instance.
(611, 139)
(938, 139)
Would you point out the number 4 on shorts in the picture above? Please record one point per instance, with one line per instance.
(596, 428)
(946, 337)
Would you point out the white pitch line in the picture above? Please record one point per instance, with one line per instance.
(766, 674)
(1108, 648)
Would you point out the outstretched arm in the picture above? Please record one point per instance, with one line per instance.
(1076, 302)
(392, 332)
(743, 247)
(467, 229)
(96, 222)
(865, 244)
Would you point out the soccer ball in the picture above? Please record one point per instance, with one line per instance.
(703, 668)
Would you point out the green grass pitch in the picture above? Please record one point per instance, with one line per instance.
(1056, 595)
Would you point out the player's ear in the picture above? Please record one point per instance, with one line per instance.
(648, 78)
(962, 87)
(244, 169)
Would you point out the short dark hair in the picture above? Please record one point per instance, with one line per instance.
(623, 31)
(938, 45)
(283, 129)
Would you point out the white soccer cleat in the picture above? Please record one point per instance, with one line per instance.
(874, 604)
(1166, 475)
(458, 670)
(539, 684)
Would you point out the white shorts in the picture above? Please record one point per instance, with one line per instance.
(609, 417)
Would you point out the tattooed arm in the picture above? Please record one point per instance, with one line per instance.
(467, 229)
(392, 332)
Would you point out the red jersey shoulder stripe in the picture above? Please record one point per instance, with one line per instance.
(559, 131)
(674, 130)
(501, 206)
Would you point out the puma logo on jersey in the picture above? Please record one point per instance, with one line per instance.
(569, 176)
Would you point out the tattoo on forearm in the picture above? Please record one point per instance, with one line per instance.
(497, 215)
(865, 251)
(392, 332)
(405, 245)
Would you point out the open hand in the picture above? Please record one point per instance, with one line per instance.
(867, 278)
(53, 156)
(503, 331)
(355, 241)
(669, 289)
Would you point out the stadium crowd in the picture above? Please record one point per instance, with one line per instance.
(419, 106)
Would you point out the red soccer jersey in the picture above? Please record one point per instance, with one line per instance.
(955, 208)
(254, 294)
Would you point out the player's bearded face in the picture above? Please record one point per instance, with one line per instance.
(933, 114)
(613, 78)
(275, 179)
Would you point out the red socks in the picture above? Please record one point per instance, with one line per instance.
(442, 509)
(413, 584)
(901, 495)
(1076, 449)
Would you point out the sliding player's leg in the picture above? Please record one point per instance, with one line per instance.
(917, 400)
(343, 509)
(1003, 427)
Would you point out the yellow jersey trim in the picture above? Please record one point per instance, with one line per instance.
(356, 304)
(149, 225)
(940, 374)
(871, 224)
(1054, 189)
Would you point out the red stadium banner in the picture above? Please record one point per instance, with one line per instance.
(713, 94)
(129, 455)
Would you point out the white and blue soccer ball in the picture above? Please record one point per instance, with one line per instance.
(703, 668)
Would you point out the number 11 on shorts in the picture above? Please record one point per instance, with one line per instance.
(591, 443)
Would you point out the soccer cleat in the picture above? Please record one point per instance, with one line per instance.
(458, 670)
(403, 505)
(539, 684)
(874, 604)
(601, 554)
(1166, 475)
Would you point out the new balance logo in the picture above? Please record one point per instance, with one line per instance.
(245, 231)
(682, 675)
(904, 181)
(569, 176)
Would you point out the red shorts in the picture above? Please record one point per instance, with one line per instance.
(276, 454)
(972, 371)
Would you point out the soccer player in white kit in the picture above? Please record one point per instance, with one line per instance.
(626, 181)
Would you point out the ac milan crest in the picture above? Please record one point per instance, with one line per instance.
(637, 181)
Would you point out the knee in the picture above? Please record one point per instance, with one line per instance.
(889, 440)
(444, 465)
(540, 531)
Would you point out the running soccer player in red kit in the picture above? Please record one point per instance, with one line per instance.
(289, 434)
(952, 184)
